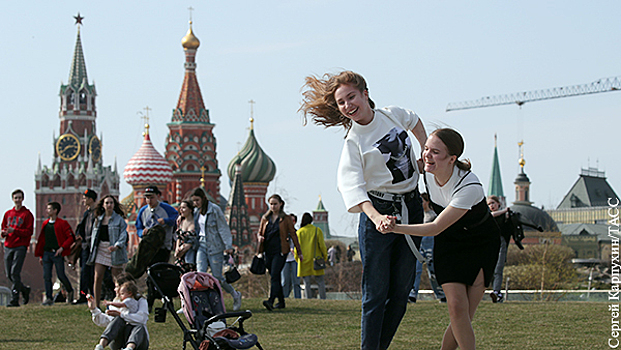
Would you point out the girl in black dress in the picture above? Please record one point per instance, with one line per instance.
(467, 238)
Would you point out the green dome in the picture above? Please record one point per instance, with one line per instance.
(257, 166)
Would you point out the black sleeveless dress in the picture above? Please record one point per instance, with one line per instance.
(469, 245)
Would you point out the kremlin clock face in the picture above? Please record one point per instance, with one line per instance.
(68, 147)
(94, 149)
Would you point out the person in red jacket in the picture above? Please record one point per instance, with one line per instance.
(17, 227)
(54, 243)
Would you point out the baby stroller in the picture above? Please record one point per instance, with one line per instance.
(203, 306)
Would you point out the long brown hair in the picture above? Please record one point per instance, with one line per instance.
(269, 213)
(318, 98)
(454, 144)
(200, 192)
(118, 207)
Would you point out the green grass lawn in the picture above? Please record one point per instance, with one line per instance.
(331, 324)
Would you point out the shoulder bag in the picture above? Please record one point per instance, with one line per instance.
(319, 263)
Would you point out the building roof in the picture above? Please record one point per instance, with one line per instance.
(256, 165)
(537, 216)
(320, 206)
(590, 190)
(78, 78)
(495, 181)
(601, 230)
(147, 166)
(190, 106)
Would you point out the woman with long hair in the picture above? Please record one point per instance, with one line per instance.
(214, 239)
(313, 245)
(467, 238)
(108, 241)
(377, 177)
(274, 230)
(185, 249)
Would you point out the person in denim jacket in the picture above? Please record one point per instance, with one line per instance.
(214, 239)
(108, 241)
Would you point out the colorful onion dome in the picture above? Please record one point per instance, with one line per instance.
(147, 166)
(256, 165)
(190, 41)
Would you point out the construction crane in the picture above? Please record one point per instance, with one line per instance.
(520, 98)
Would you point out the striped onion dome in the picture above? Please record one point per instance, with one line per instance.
(147, 166)
(256, 165)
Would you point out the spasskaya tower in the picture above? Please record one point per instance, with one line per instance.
(77, 163)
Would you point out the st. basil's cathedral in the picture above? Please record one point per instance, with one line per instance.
(189, 159)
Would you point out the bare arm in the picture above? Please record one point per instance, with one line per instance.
(447, 217)
(500, 212)
(420, 133)
(383, 221)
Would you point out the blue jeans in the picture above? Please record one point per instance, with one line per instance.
(215, 261)
(13, 263)
(50, 260)
(274, 264)
(426, 250)
(387, 275)
(500, 265)
(290, 279)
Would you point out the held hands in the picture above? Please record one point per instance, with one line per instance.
(386, 224)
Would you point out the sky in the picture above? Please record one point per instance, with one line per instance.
(419, 55)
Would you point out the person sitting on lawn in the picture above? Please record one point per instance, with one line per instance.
(124, 330)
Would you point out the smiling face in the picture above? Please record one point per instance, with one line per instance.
(354, 104)
(436, 155)
(184, 210)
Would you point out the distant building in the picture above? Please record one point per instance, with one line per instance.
(236, 213)
(495, 181)
(145, 168)
(320, 219)
(78, 162)
(523, 205)
(583, 216)
(191, 144)
(257, 171)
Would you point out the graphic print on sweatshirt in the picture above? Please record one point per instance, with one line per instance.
(395, 147)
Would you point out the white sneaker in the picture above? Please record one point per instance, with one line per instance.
(237, 301)
(99, 347)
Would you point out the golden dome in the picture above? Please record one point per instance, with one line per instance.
(190, 41)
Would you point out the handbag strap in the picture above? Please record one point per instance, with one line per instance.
(316, 245)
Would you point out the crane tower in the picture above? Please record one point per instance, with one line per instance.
(520, 98)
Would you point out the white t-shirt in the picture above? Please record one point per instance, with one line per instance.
(378, 156)
(131, 304)
(465, 198)
(202, 219)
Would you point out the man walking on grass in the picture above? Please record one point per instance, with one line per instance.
(17, 227)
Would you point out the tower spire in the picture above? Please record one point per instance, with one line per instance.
(77, 74)
(495, 182)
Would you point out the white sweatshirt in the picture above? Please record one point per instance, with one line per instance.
(378, 156)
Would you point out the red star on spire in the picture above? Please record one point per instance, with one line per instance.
(78, 19)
